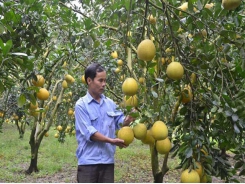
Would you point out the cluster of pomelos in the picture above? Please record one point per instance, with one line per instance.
(194, 175)
(114, 55)
(158, 135)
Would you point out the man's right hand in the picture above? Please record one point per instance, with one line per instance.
(118, 142)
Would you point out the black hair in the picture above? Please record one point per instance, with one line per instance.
(92, 70)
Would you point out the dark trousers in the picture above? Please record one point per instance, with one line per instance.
(98, 173)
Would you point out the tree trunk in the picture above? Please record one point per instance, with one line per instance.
(33, 165)
(34, 153)
(157, 174)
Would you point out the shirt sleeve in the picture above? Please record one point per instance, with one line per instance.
(83, 122)
(119, 118)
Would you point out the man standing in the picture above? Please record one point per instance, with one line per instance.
(96, 120)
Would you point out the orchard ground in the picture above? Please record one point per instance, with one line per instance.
(57, 162)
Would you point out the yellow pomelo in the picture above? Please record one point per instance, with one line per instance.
(159, 130)
(140, 131)
(204, 179)
(130, 87)
(70, 112)
(130, 101)
(163, 146)
(209, 6)
(83, 79)
(199, 169)
(59, 127)
(193, 78)
(69, 79)
(186, 95)
(64, 84)
(32, 106)
(126, 133)
(34, 112)
(146, 50)
(148, 138)
(183, 7)
(43, 94)
(152, 19)
(119, 62)
(189, 177)
(117, 70)
(175, 70)
(54, 98)
(114, 54)
(231, 4)
(141, 80)
(39, 82)
(56, 135)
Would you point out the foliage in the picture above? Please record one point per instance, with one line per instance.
(58, 38)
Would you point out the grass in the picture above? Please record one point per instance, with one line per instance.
(57, 162)
(15, 155)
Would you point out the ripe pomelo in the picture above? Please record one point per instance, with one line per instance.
(39, 82)
(83, 79)
(130, 101)
(146, 50)
(140, 131)
(130, 87)
(32, 106)
(126, 133)
(163, 146)
(141, 80)
(231, 4)
(148, 138)
(64, 84)
(70, 112)
(69, 79)
(199, 169)
(114, 55)
(189, 177)
(186, 95)
(159, 130)
(120, 62)
(43, 94)
(175, 70)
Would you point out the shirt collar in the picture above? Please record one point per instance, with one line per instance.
(89, 98)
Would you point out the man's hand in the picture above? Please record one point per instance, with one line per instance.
(118, 142)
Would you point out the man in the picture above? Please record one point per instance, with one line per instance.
(96, 120)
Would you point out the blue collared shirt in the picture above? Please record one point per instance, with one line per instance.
(90, 117)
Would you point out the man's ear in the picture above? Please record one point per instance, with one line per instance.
(89, 80)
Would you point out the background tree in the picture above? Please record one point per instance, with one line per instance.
(60, 38)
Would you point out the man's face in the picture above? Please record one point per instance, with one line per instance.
(97, 86)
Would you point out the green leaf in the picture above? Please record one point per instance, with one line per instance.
(2, 29)
(127, 4)
(234, 117)
(228, 113)
(21, 100)
(242, 172)
(1, 87)
(188, 152)
(159, 80)
(214, 109)
(239, 164)
(237, 130)
(1, 44)
(6, 48)
(96, 44)
(155, 95)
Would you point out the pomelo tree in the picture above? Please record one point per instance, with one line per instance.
(203, 108)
